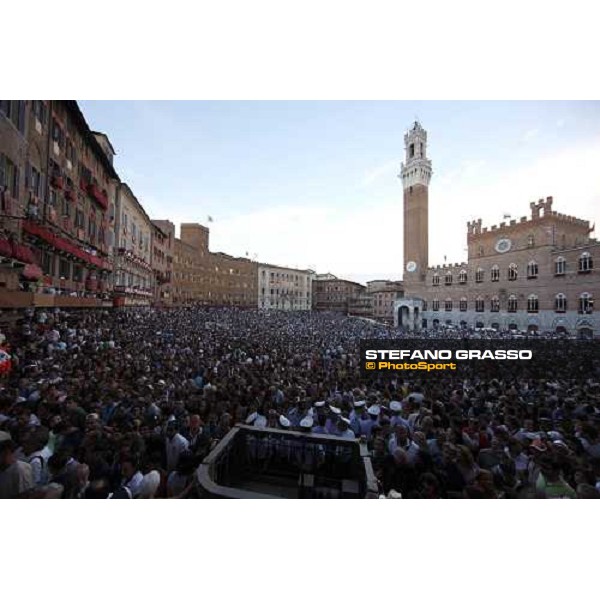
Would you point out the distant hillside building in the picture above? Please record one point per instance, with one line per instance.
(333, 294)
(384, 293)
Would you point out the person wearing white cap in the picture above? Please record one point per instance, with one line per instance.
(355, 416)
(320, 424)
(369, 420)
(260, 421)
(396, 417)
(343, 429)
(332, 419)
(307, 456)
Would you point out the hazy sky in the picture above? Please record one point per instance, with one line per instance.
(314, 184)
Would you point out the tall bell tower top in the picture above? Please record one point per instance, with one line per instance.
(417, 168)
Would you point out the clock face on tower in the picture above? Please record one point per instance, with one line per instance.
(503, 245)
(411, 266)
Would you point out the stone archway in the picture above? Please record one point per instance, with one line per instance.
(404, 317)
(408, 313)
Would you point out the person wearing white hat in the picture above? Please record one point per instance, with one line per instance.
(332, 419)
(355, 416)
(369, 420)
(320, 424)
(307, 423)
(396, 417)
(343, 429)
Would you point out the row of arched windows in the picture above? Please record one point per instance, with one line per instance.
(585, 265)
(585, 304)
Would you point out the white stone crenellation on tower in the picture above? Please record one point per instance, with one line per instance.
(417, 168)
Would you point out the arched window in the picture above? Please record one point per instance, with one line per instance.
(560, 266)
(436, 279)
(560, 303)
(479, 304)
(462, 277)
(512, 304)
(532, 304)
(532, 270)
(513, 272)
(448, 279)
(495, 304)
(586, 304)
(585, 263)
(479, 275)
(463, 305)
(424, 305)
(495, 273)
(448, 304)
(530, 241)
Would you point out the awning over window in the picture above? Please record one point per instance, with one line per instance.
(5, 248)
(63, 244)
(23, 253)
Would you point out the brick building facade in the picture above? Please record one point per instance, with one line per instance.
(384, 292)
(210, 278)
(333, 294)
(57, 195)
(163, 250)
(133, 277)
(532, 274)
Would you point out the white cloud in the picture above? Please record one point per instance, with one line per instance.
(387, 169)
(359, 240)
(571, 177)
(365, 241)
(530, 134)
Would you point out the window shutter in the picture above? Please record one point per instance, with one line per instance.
(42, 186)
(16, 183)
(27, 175)
(2, 170)
(21, 125)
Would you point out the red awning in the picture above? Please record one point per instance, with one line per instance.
(5, 248)
(23, 253)
(61, 243)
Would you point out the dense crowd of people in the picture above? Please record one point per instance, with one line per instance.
(127, 403)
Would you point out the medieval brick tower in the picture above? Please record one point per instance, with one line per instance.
(416, 174)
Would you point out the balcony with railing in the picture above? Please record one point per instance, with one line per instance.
(251, 462)
(98, 195)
